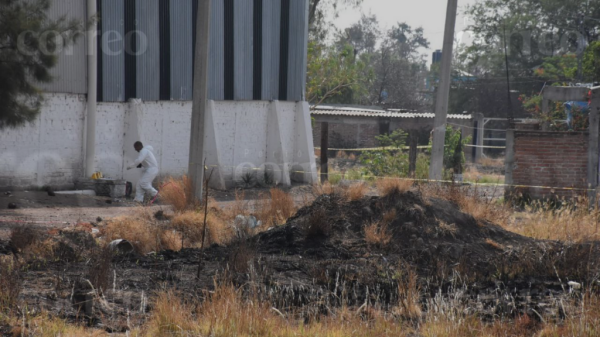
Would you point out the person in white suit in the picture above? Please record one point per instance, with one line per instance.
(149, 167)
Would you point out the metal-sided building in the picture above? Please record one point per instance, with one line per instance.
(257, 117)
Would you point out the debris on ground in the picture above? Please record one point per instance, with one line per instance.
(335, 253)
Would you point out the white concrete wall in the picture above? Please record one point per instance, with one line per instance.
(48, 151)
(51, 150)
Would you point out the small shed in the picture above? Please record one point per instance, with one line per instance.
(357, 127)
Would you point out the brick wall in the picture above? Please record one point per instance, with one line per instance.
(555, 159)
(347, 136)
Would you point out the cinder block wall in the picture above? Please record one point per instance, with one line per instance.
(549, 159)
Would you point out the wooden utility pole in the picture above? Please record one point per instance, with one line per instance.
(443, 94)
(324, 152)
(196, 163)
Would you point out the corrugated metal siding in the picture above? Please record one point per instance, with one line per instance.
(298, 46)
(271, 38)
(243, 47)
(181, 50)
(148, 59)
(216, 61)
(113, 50)
(70, 73)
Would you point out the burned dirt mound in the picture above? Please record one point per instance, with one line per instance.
(398, 224)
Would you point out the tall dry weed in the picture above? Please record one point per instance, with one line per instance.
(178, 192)
(139, 229)
(378, 233)
(387, 186)
(190, 225)
(572, 222)
(11, 284)
(356, 191)
(274, 209)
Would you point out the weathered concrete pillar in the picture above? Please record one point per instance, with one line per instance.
(324, 152)
(478, 136)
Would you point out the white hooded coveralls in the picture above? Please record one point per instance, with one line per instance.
(149, 172)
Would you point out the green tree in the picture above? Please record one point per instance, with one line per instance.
(331, 72)
(591, 62)
(29, 42)
(534, 30)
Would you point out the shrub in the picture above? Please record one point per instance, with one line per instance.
(317, 225)
(356, 191)
(190, 225)
(137, 229)
(10, 284)
(178, 193)
(378, 233)
(275, 209)
(388, 186)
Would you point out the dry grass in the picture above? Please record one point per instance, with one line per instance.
(190, 225)
(178, 193)
(471, 174)
(47, 326)
(32, 244)
(139, 229)
(275, 209)
(378, 233)
(317, 224)
(10, 284)
(409, 294)
(388, 186)
(356, 191)
(447, 229)
(494, 244)
(185, 228)
(470, 201)
(229, 311)
(571, 223)
(491, 162)
(225, 312)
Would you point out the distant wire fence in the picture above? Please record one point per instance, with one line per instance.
(370, 177)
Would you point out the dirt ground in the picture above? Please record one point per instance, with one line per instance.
(321, 258)
(38, 209)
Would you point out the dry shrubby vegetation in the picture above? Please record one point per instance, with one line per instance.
(250, 308)
(389, 186)
(378, 233)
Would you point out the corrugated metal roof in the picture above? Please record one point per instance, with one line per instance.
(359, 112)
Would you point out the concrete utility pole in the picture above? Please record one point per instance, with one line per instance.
(92, 92)
(324, 152)
(443, 94)
(196, 164)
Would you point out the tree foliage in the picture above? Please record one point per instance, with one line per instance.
(534, 30)
(331, 72)
(387, 67)
(29, 43)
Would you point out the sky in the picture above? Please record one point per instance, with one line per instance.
(429, 14)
